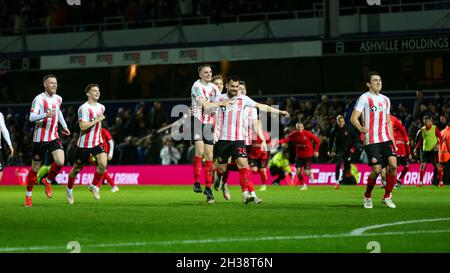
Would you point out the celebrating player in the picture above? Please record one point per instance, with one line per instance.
(46, 113)
(90, 116)
(230, 126)
(203, 94)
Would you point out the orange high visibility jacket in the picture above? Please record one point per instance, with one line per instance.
(444, 146)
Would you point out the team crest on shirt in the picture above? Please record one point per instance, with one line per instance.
(48, 110)
(374, 160)
(373, 108)
(92, 119)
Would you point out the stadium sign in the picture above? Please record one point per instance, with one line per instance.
(179, 174)
(391, 45)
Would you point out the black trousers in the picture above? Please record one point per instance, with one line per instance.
(274, 171)
(342, 157)
(446, 176)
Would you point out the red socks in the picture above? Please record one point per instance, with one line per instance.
(31, 179)
(54, 170)
(208, 173)
(370, 185)
(97, 179)
(251, 186)
(197, 168)
(390, 183)
(71, 182)
(243, 179)
(108, 179)
(404, 171)
(422, 173)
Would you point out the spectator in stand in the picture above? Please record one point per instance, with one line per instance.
(158, 117)
(169, 154)
(443, 121)
(127, 151)
(418, 103)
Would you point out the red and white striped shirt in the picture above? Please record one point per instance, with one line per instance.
(92, 136)
(230, 120)
(209, 92)
(250, 114)
(375, 110)
(46, 129)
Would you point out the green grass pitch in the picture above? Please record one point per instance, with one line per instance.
(175, 219)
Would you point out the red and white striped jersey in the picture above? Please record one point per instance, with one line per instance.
(46, 129)
(209, 92)
(92, 136)
(230, 120)
(375, 110)
(250, 114)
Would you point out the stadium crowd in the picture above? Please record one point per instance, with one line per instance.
(19, 16)
(139, 140)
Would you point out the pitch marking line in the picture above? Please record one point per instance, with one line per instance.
(355, 233)
(360, 231)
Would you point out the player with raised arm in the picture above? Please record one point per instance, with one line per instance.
(46, 113)
(230, 126)
(255, 137)
(374, 108)
(203, 94)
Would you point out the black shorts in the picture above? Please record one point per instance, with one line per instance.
(429, 157)
(82, 155)
(225, 149)
(303, 162)
(2, 162)
(201, 132)
(403, 160)
(38, 149)
(258, 163)
(379, 153)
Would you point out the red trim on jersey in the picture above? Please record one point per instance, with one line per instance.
(229, 124)
(238, 118)
(96, 134)
(371, 121)
(44, 122)
(380, 123)
(386, 123)
(88, 133)
(204, 120)
(53, 125)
